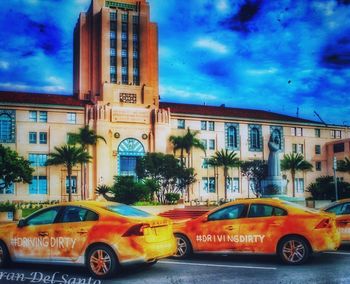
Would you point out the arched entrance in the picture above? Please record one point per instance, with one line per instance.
(129, 151)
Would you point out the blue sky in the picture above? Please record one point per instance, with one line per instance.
(261, 54)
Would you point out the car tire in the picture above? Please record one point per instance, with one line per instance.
(149, 264)
(293, 250)
(184, 248)
(5, 259)
(102, 262)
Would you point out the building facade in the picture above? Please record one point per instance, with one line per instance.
(116, 94)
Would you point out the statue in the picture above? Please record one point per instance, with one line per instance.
(274, 168)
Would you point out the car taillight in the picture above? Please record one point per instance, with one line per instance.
(325, 223)
(136, 230)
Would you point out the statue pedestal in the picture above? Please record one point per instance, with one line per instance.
(274, 185)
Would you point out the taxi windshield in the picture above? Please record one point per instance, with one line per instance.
(127, 211)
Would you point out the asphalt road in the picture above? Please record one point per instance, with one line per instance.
(203, 269)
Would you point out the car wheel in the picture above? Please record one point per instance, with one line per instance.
(4, 255)
(184, 248)
(102, 262)
(151, 263)
(293, 250)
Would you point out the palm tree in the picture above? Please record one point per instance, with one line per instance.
(227, 160)
(69, 156)
(86, 137)
(295, 162)
(344, 165)
(185, 143)
(103, 190)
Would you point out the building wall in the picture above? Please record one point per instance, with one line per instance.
(57, 130)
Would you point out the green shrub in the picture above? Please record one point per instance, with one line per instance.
(7, 207)
(324, 189)
(172, 198)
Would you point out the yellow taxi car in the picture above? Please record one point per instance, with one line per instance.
(261, 226)
(341, 209)
(101, 235)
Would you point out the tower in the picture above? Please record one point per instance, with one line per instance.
(116, 53)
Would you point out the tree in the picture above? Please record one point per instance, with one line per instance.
(323, 189)
(186, 143)
(295, 162)
(13, 168)
(255, 171)
(86, 137)
(103, 190)
(344, 165)
(166, 171)
(227, 160)
(69, 156)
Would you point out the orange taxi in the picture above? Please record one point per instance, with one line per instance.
(261, 226)
(101, 235)
(341, 209)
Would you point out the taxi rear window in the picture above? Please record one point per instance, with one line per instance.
(127, 211)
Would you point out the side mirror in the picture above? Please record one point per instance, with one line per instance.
(21, 223)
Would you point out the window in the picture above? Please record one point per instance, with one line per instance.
(43, 137)
(228, 213)
(33, 115)
(112, 34)
(74, 184)
(8, 190)
(124, 18)
(72, 117)
(37, 160)
(318, 166)
(338, 148)
(205, 163)
(261, 210)
(232, 184)
(255, 136)
(135, 19)
(208, 185)
(341, 209)
(128, 165)
(211, 125)
(317, 132)
(181, 124)
(32, 137)
(299, 184)
(124, 70)
(296, 131)
(43, 116)
(113, 16)
(317, 149)
(211, 144)
(203, 125)
(112, 69)
(43, 217)
(77, 214)
(38, 185)
(298, 148)
(231, 136)
(112, 51)
(127, 211)
(336, 134)
(204, 143)
(5, 127)
(124, 53)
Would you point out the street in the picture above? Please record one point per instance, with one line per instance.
(330, 267)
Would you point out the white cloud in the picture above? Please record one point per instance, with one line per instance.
(185, 93)
(212, 45)
(222, 6)
(28, 88)
(82, 1)
(262, 71)
(4, 65)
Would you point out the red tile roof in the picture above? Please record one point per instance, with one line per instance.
(238, 113)
(36, 98)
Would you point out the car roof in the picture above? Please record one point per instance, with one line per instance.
(340, 201)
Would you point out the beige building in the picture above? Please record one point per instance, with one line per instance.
(116, 94)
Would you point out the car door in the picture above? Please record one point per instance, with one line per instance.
(219, 231)
(71, 233)
(262, 228)
(32, 241)
(342, 212)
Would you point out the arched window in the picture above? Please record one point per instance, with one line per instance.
(231, 137)
(5, 127)
(255, 138)
(129, 151)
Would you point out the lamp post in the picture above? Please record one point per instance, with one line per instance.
(335, 177)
